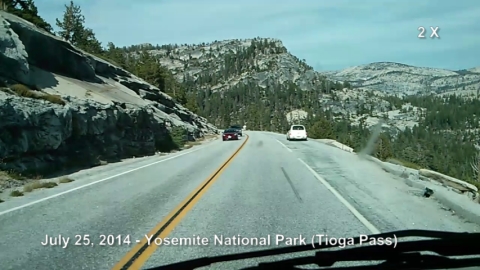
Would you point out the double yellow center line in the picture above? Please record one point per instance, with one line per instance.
(140, 253)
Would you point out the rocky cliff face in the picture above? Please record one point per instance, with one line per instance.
(60, 106)
(394, 78)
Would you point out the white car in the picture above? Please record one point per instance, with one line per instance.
(297, 132)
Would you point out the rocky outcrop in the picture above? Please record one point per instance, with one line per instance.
(396, 78)
(460, 186)
(71, 108)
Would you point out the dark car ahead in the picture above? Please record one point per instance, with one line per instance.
(238, 128)
(230, 134)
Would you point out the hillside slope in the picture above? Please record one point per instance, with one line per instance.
(395, 78)
(230, 62)
(236, 80)
(258, 82)
(61, 106)
(253, 81)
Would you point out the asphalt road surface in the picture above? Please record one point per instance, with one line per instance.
(257, 188)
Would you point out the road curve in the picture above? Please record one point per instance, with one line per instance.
(257, 187)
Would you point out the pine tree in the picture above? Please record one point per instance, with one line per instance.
(27, 10)
(384, 148)
(72, 29)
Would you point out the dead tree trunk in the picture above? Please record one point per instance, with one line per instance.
(476, 164)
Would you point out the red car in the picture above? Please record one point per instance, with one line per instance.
(230, 134)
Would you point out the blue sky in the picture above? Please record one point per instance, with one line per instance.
(330, 35)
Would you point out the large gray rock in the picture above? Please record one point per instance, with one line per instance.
(37, 135)
(49, 52)
(13, 57)
(108, 113)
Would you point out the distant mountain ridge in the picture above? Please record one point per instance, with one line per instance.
(262, 61)
(397, 78)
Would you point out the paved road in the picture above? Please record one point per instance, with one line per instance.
(270, 187)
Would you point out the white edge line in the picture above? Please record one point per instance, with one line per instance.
(93, 183)
(350, 207)
(284, 145)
